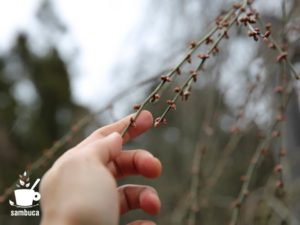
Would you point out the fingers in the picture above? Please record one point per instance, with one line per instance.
(135, 162)
(106, 149)
(138, 197)
(143, 123)
(142, 222)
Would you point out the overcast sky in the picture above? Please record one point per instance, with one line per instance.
(97, 28)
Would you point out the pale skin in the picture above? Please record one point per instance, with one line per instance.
(80, 188)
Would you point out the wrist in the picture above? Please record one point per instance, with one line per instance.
(55, 219)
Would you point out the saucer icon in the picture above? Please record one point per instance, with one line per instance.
(25, 196)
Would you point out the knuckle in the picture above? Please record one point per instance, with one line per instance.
(98, 133)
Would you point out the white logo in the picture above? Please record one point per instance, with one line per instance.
(25, 197)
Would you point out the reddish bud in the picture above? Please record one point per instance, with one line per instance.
(260, 135)
(280, 117)
(164, 121)
(194, 75)
(189, 58)
(225, 34)
(282, 56)
(267, 34)
(193, 45)
(74, 128)
(252, 20)
(279, 184)
(234, 129)
(243, 178)
(285, 47)
(253, 160)
(251, 13)
(165, 78)
(157, 122)
(177, 89)
(244, 20)
(203, 56)
(186, 95)
(172, 104)
(218, 20)
(271, 46)
(276, 133)
(268, 26)
(178, 71)
(278, 89)
(237, 5)
(237, 204)
(282, 152)
(215, 50)
(278, 168)
(136, 106)
(48, 153)
(209, 40)
(252, 33)
(155, 97)
(264, 151)
(249, 2)
(265, 39)
(246, 192)
(132, 122)
(225, 23)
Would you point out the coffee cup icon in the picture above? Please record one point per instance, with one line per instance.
(25, 197)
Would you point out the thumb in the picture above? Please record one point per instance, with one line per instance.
(107, 148)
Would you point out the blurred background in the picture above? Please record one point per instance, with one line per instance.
(61, 61)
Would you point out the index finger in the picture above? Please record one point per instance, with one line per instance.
(142, 124)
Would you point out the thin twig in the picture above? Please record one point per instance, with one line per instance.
(271, 39)
(253, 165)
(188, 82)
(199, 152)
(173, 72)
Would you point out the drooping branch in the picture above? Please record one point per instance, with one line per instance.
(256, 158)
(221, 23)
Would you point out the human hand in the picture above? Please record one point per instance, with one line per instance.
(80, 188)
